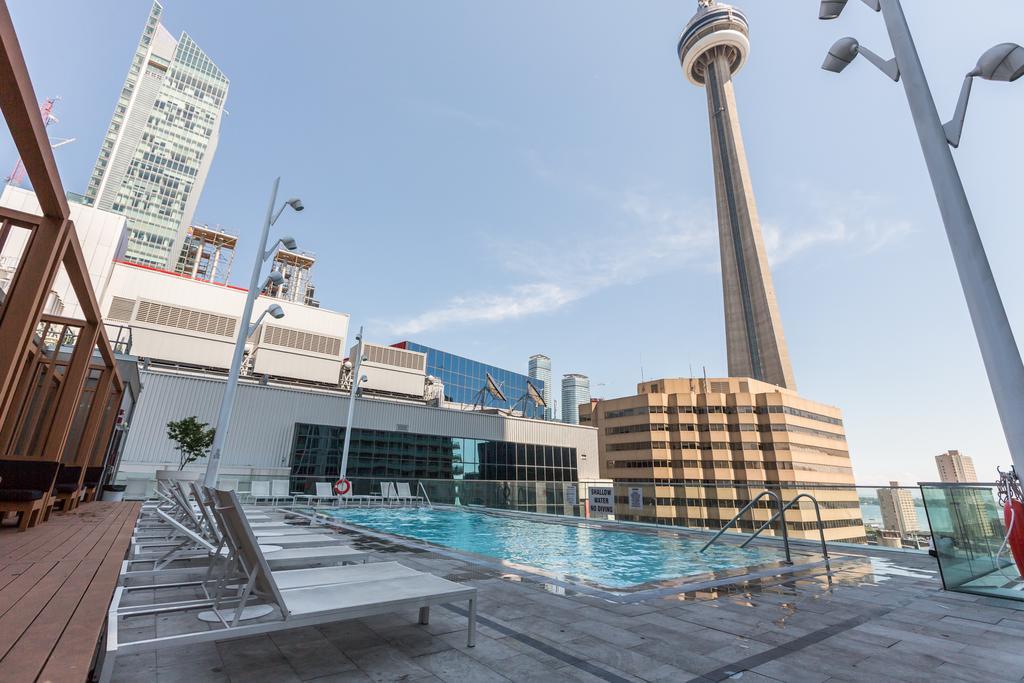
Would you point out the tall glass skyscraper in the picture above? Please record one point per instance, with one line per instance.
(540, 371)
(463, 379)
(158, 149)
(575, 390)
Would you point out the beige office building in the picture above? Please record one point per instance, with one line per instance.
(955, 467)
(701, 449)
(898, 511)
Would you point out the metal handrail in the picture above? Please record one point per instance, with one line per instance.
(748, 506)
(425, 496)
(782, 513)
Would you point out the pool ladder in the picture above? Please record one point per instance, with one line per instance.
(780, 514)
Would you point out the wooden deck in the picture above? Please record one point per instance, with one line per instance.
(56, 581)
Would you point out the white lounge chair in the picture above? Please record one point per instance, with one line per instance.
(388, 493)
(259, 490)
(403, 492)
(280, 491)
(195, 548)
(353, 595)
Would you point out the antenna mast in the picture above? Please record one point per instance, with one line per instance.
(46, 112)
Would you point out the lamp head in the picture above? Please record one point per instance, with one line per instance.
(295, 203)
(275, 311)
(839, 56)
(830, 9)
(275, 278)
(1004, 62)
(289, 243)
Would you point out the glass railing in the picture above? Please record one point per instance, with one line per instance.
(555, 498)
(881, 516)
(962, 522)
(970, 534)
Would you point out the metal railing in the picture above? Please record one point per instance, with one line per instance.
(781, 514)
(423, 490)
(748, 506)
(781, 517)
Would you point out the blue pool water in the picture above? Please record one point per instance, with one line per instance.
(614, 559)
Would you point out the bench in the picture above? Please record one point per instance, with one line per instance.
(68, 489)
(25, 489)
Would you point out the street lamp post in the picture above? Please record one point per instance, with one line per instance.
(1005, 62)
(342, 486)
(245, 328)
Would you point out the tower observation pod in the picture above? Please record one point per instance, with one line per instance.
(712, 49)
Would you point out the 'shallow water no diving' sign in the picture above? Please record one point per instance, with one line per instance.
(602, 500)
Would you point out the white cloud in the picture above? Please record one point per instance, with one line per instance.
(645, 237)
(656, 238)
(446, 111)
(519, 302)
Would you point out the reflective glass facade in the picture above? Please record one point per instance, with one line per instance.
(575, 391)
(373, 454)
(463, 378)
(540, 371)
(159, 146)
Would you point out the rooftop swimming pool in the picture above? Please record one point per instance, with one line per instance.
(571, 549)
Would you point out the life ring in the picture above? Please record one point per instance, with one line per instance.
(342, 487)
(1013, 516)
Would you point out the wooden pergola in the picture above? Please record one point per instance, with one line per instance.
(60, 390)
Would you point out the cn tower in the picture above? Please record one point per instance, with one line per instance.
(712, 49)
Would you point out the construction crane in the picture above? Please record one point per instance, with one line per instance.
(46, 111)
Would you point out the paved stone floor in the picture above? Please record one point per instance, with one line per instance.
(882, 618)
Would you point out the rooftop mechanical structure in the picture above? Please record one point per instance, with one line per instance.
(712, 49)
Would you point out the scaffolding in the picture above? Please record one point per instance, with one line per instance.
(297, 285)
(207, 254)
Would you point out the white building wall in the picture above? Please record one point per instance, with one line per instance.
(264, 417)
(309, 341)
(99, 232)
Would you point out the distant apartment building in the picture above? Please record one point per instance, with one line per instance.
(898, 511)
(701, 449)
(540, 371)
(575, 392)
(955, 467)
(158, 149)
(464, 379)
(974, 505)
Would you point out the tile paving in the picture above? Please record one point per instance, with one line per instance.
(880, 617)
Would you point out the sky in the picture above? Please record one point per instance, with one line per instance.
(505, 178)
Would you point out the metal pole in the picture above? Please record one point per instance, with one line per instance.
(351, 404)
(991, 327)
(226, 403)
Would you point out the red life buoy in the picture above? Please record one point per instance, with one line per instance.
(1013, 516)
(342, 486)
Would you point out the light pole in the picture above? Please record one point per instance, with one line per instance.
(245, 328)
(991, 326)
(342, 486)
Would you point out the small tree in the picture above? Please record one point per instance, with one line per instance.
(192, 438)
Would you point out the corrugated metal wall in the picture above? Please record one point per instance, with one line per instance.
(264, 418)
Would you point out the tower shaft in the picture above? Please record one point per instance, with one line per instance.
(755, 342)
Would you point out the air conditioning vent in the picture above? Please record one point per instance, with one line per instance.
(304, 341)
(719, 387)
(397, 358)
(121, 308)
(185, 319)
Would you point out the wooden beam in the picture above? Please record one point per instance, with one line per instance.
(96, 417)
(70, 393)
(25, 300)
